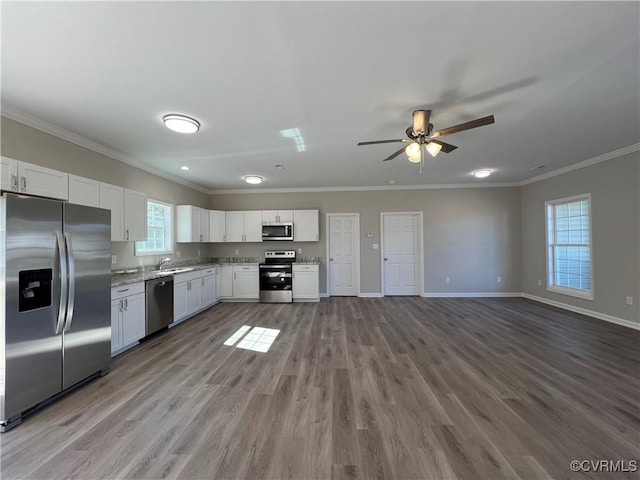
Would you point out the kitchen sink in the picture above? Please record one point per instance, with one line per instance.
(173, 270)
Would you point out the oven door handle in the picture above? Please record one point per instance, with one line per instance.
(275, 266)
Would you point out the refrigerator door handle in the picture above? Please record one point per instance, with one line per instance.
(72, 283)
(64, 278)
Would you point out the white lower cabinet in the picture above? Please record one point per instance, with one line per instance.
(218, 283)
(226, 281)
(306, 283)
(246, 283)
(193, 292)
(127, 316)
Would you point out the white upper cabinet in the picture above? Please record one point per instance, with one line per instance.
(277, 216)
(128, 212)
(112, 198)
(135, 216)
(193, 224)
(244, 226)
(23, 177)
(84, 191)
(306, 227)
(217, 228)
(9, 174)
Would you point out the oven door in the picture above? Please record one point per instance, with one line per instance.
(275, 283)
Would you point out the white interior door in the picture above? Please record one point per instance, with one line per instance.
(401, 254)
(343, 254)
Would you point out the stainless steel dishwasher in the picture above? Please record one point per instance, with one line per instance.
(159, 302)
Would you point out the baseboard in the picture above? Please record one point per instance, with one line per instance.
(473, 294)
(324, 295)
(370, 295)
(584, 311)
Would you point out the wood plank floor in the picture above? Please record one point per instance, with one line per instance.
(393, 388)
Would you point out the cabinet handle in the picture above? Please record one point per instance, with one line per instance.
(14, 182)
(124, 290)
(200, 237)
(121, 306)
(224, 238)
(127, 234)
(126, 304)
(203, 281)
(234, 275)
(189, 285)
(24, 184)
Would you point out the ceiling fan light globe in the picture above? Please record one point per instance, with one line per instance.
(433, 148)
(415, 158)
(412, 150)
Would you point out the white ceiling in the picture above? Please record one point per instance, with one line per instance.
(562, 79)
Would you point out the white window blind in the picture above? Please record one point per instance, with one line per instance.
(569, 246)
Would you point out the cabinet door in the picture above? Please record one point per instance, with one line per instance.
(194, 291)
(180, 301)
(306, 282)
(208, 290)
(269, 216)
(112, 198)
(216, 226)
(204, 224)
(84, 191)
(116, 320)
(226, 281)
(133, 319)
(285, 216)
(253, 226)
(306, 226)
(36, 180)
(218, 283)
(135, 216)
(8, 174)
(245, 282)
(188, 223)
(234, 224)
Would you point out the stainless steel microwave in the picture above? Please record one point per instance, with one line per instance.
(277, 231)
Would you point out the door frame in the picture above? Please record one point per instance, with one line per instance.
(420, 251)
(356, 249)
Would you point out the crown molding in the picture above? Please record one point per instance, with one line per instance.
(362, 189)
(52, 129)
(585, 163)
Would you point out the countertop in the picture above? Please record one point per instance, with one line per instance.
(118, 279)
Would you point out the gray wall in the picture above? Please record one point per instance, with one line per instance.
(471, 235)
(27, 144)
(615, 190)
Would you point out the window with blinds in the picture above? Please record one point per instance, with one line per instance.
(569, 246)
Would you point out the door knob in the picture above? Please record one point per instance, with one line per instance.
(331, 259)
(385, 259)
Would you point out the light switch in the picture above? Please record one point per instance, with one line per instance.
(376, 246)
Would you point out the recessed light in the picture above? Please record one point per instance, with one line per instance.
(483, 173)
(278, 166)
(181, 123)
(253, 179)
(185, 168)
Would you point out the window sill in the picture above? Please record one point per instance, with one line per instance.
(571, 292)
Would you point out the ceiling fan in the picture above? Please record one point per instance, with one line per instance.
(422, 137)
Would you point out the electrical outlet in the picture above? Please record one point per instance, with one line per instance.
(629, 300)
(178, 253)
(237, 251)
(198, 252)
(114, 259)
(499, 279)
(376, 246)
(539, 283)
(299, 251)
(447, 280)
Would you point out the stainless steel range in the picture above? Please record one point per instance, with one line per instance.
(276, 275)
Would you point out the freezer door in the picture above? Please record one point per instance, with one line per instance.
(32, 359)
(87, 330)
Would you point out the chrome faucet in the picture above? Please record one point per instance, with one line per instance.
(162, 262)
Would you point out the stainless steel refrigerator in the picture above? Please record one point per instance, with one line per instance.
(55, 295)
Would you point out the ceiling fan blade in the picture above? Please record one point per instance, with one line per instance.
(421, 121)
(375, 142)
(394, 155)
(446, 147)
(479, 122)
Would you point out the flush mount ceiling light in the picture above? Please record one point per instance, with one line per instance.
(181, 123)
(253, 179)
(185, 168)
(483, 173)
